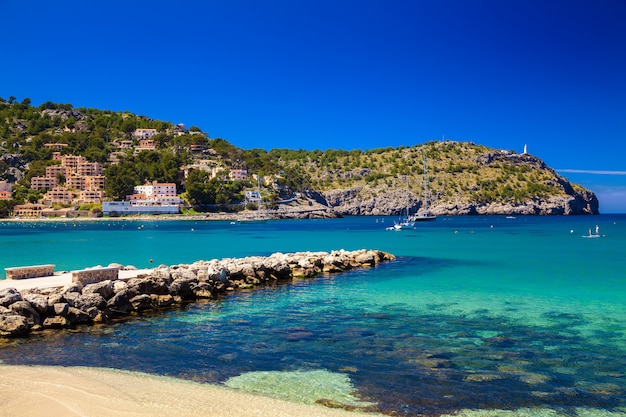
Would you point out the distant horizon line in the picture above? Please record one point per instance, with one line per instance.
(591, 171)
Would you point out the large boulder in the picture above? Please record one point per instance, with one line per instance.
(38, 301)
(86, 301)
(55, 322)
(365, 258)
(77, 316)
(13, 325)
(60, 309)
(141, 302)
(162, 300)
(24, 309)
(183, 287)
(72, 288)
(9, 296)
(55, 298)
(203, 290)
(104, 288)
(217, 273)
(148, 285)
(120, 303)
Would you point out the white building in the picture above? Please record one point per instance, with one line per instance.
(144, 133)
(155, 198)
(157, 189)
(253, 197)
(122, 208)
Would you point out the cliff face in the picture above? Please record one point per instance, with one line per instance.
(493, 187)
(580, 203)
(353, 202)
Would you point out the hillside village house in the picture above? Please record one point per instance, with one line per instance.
(6, 190)
(56, 146)
(125, 144)
(253, 196)
(40, 183)
(54, 170)
(144, 133)
(145, 145)
(58, 195)
(78, 174)
(91, 196)
(29, 210)
(239, 174)
(157, 189)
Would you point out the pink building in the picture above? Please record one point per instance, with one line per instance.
(239, 174)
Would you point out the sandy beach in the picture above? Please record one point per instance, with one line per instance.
(81, 391)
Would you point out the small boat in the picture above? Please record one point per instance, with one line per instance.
(405, 222)
(404, 225)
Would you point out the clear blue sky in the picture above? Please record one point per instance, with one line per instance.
(353, 74)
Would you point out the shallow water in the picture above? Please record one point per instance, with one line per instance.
(477, 313)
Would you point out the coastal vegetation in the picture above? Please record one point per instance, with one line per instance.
(458, 173)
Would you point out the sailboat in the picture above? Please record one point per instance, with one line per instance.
(424, 214)
(257, 218)
(406, 223)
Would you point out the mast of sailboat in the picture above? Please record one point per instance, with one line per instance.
(425, 185)
(258, 190)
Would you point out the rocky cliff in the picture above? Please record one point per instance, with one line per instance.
(357, 202)
(496, 183)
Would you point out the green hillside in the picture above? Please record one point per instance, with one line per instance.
(458, 173)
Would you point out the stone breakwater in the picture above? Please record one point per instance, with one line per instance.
(75, 304)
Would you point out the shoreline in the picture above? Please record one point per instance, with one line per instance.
(78, 391)
(145, 217)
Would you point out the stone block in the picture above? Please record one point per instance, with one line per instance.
(91, 276)
(24, 272)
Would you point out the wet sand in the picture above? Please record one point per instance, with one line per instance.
(81, 391)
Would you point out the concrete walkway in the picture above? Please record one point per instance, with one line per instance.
(60, 280)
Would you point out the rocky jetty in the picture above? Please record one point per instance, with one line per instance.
(166, 286)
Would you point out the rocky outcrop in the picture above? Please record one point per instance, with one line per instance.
(566, 199)
(64, 114)
(394, 203)
(360, 201)
(165, 286)
(14, 166)
(580, 203)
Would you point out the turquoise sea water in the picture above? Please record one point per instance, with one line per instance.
(477, 313)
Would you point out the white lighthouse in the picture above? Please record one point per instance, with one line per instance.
(525, 149)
